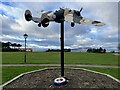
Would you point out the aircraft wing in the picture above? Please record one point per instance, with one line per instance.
(71, 18)
(36, 19)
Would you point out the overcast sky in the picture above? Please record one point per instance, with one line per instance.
(14, 25)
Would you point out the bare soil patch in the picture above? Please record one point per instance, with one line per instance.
(78, 78)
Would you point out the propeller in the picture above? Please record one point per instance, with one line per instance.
(78, 12)
(81, 9)
(62, 8)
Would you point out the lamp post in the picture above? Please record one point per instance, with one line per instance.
(25, 36)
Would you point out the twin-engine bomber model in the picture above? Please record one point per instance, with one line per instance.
(61, 15)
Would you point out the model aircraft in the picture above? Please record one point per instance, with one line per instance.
(61, 15)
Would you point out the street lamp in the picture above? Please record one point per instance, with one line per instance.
(25, 36)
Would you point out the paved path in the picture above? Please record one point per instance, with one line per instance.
(81, 65)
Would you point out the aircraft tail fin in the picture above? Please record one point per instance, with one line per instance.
(91, 22)
(28, 15)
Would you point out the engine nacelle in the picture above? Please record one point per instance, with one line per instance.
(59, 16)
(72, 24)
(28, 15)
(45, 22)
(39, 25)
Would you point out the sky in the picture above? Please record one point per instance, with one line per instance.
(14, 25)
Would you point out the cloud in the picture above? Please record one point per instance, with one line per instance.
(14, 25)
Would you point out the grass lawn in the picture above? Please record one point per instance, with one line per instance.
(9, 72)
(111, 71)
(54, 58)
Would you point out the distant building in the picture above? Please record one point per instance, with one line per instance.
(27, 49)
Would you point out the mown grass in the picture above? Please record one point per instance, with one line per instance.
(54, 58)
(9, 72)
(111, 71)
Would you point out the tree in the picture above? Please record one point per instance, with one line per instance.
(19, 45)
(119, 46)
(89, 50)
(9, 47)
(104, 50)
(100, 50)
(0, 44)
(14, 45)
(6, 45)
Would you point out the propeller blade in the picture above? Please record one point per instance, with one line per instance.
(81, 9)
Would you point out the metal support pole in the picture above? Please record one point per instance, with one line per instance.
(25, 52)
(62, 49)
